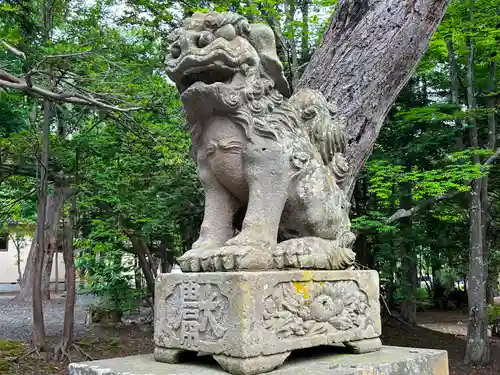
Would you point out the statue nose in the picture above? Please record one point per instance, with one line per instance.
(205, 38)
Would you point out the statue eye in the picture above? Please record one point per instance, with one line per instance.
(175, 50)
(205, 39)
(227, 32)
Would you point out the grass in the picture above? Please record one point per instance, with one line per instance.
(10, 349)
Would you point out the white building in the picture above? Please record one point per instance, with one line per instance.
(14, 250)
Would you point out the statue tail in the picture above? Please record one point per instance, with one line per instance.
(325, 132)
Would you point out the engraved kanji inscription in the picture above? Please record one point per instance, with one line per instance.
(195, 313)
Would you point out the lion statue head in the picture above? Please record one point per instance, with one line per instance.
(222, 64)
(216, 55)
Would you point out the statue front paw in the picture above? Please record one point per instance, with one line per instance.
(312, 253)
(226, 258)
(190, 260)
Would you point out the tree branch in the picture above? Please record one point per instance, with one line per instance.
(491, 159)
(13, 49)
(7, 80)
(403, 213)
(27, 170)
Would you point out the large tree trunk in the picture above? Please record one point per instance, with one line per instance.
(368, 53)
(478, 348)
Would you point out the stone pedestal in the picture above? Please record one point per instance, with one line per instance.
(318, 361)
(251, 321)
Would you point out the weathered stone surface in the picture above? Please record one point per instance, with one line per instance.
(275, 160)
(320, 361)
(254, 315)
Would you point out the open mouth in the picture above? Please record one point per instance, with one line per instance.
(208, 76)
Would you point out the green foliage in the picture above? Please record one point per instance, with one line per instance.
(447, 276)
(494, 315)
(109, 277)
(133, 173)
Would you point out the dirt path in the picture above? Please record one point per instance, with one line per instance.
(16, 318)
(444, 330)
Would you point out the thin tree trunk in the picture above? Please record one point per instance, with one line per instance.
(409, 263)
(56, 271)
(54, 210)
(490, 281)
(52, 215)
(477, 345)
(17, 243)
(304, 47)
(367, 55)
(38, 255)
(70, 231)
(148, 268)
(294, 58)
(167, 259)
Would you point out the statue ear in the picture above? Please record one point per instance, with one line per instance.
(261, 36)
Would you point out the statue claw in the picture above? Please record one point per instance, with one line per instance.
(190, 260)
(312, 252)
(207, 263)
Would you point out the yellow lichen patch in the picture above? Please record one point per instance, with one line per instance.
(302, 287)
(243, 306)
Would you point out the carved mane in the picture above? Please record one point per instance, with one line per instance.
(259, 103)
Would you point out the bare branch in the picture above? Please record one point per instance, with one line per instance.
(402, 213)
(8, 77)
(7, 80)
(491, 159)
(68, 55)
(13, 49)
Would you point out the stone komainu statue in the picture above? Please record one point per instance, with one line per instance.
(277, 157)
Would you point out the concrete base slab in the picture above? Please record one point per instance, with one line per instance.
(321, 361)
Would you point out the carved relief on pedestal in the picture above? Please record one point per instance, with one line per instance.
(313, 308)
(195, 312)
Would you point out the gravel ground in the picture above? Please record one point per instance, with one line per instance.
(16, 319)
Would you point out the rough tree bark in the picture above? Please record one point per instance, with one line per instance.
(148, 267)
(38, 255)
(70, 230)
(52, 216)
(54, 209)
(408, 257)
(491, 279)
(304, 46)
(477, 348)
(368, 53)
